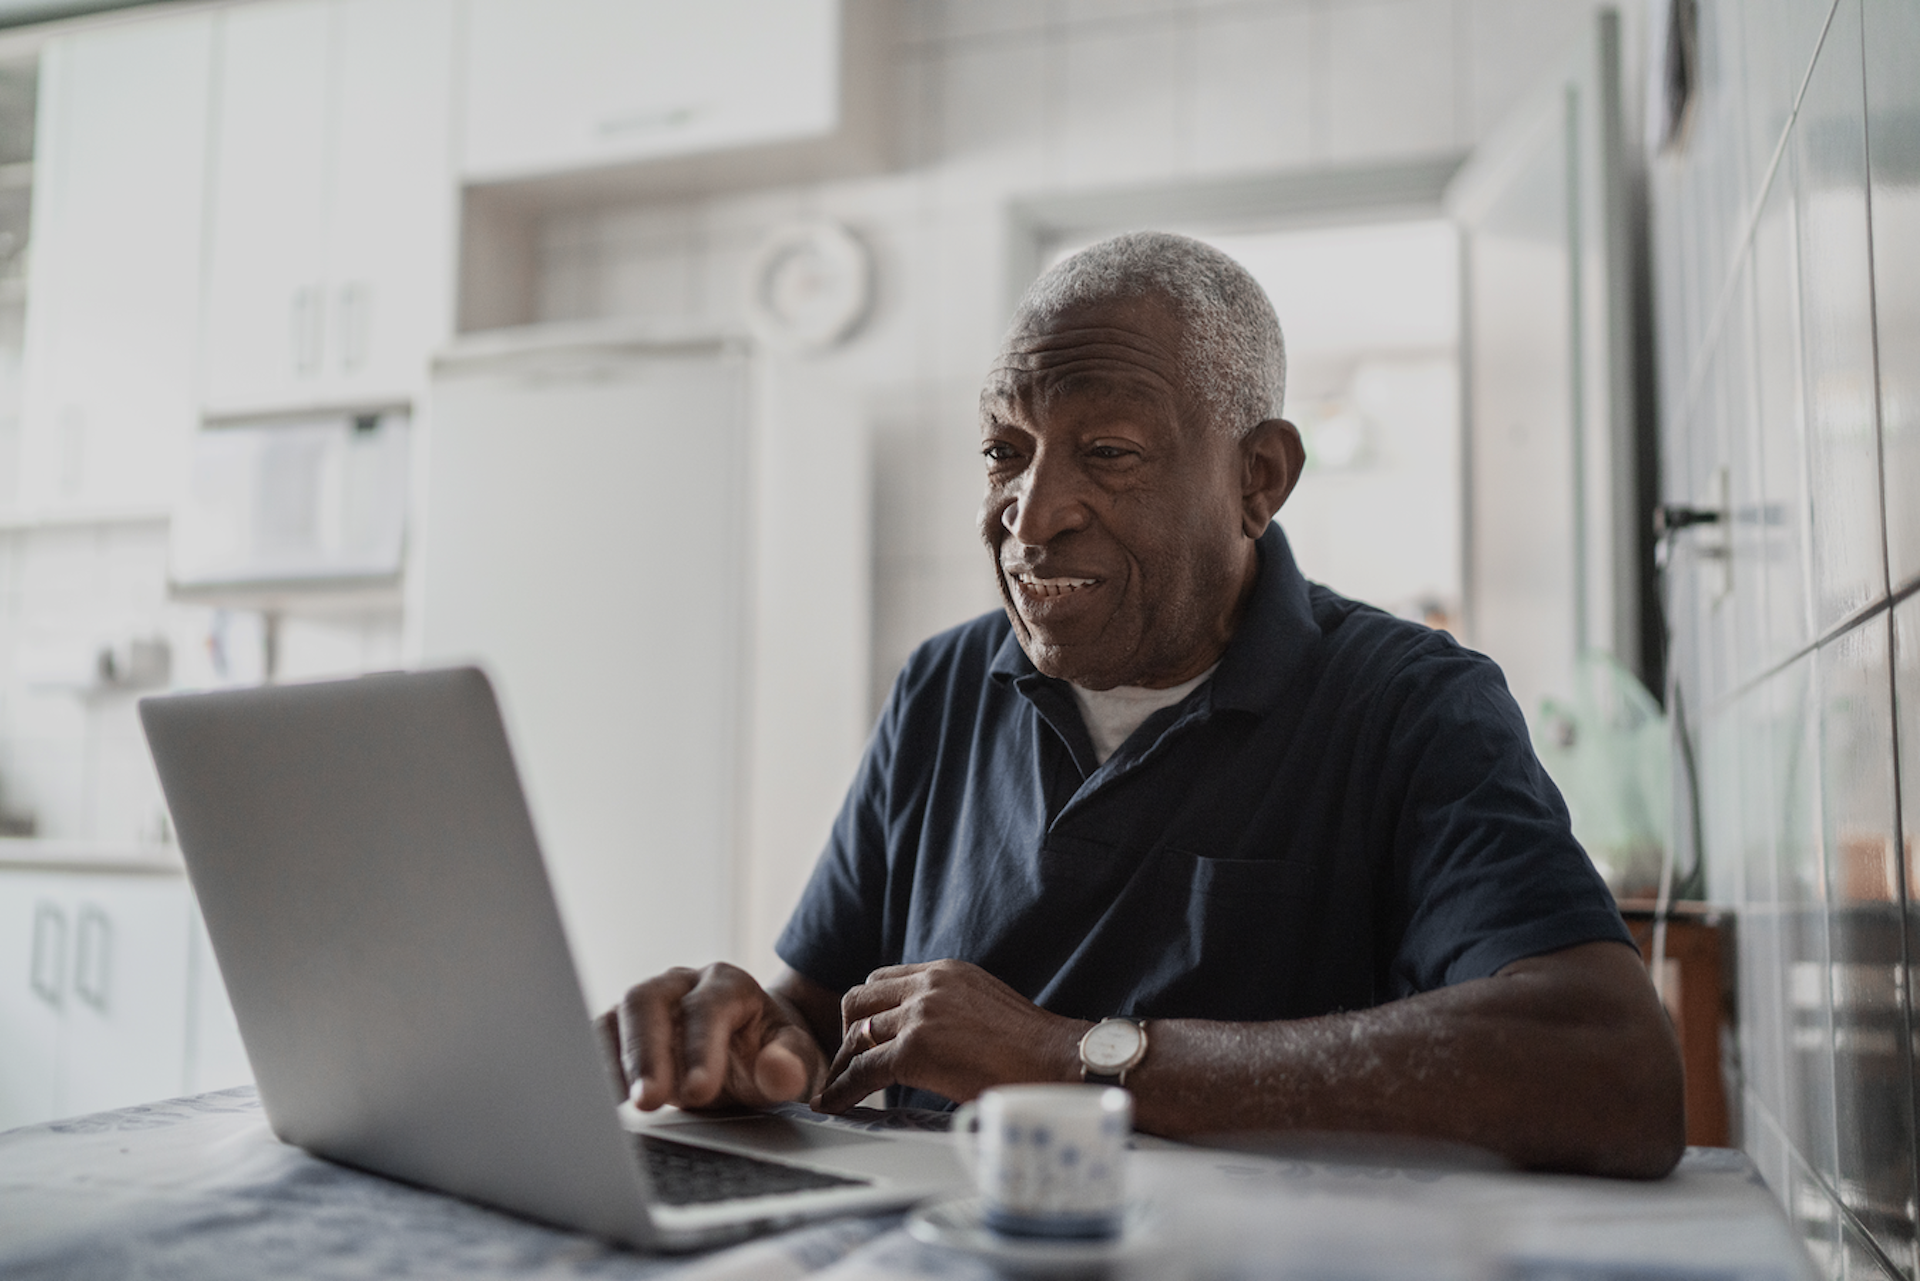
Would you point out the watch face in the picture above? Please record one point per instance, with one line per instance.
(1112, 1045)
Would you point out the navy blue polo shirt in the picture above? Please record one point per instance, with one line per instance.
(1348, 812)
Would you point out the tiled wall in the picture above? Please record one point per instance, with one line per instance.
(1787, 277)
(1002, 99)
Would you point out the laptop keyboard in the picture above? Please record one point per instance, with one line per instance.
(682, 1174)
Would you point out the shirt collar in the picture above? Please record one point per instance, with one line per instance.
(1275, 631)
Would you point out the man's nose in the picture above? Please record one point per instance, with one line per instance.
(1048, 500)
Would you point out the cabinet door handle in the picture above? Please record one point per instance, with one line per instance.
(93, 957)
(48, 977)
(355, 316)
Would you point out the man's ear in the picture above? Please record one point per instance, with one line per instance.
(1271, 457)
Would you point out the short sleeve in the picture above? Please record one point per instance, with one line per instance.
(1485, 853)
(834, 935)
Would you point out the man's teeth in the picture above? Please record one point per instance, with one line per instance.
(1053, 586)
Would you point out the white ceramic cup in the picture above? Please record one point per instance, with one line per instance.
(1048, 1160)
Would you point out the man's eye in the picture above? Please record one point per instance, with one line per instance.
(997, 452)
(1108, 451)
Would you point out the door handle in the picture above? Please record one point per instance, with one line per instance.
(93, 957)
(48, 976)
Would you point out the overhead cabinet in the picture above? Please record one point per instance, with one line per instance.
(113, 285)
(572, 85)
(331, 227)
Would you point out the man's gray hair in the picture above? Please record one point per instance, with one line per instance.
(1234, 357)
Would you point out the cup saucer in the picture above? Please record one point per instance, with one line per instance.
(957, 1223)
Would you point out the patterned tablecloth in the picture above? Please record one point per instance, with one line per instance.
(199, 1188)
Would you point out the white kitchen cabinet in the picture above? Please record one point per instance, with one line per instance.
(126, 1028)
(333, 204)
(113, 282)
(265, 304)
(94, 994)
(573, 84)
(32, 976)
(395, 206)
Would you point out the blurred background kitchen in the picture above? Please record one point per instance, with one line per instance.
(631, 347)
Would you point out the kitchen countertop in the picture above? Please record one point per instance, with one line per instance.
(44, 855)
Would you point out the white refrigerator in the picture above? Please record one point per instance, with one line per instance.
(585, 535)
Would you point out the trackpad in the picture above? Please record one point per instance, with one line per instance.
(774, 1135)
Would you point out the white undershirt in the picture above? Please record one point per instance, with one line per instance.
(1113, 714)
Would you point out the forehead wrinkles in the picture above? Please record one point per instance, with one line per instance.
(1049, 365)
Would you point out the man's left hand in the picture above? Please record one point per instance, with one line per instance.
(945, 1026)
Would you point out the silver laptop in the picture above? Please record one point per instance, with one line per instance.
(371, 882)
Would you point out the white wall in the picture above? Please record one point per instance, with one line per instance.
(998, 100)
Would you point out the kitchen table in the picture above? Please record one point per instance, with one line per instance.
(200, 1188)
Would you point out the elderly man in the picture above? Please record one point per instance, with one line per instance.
(1181, 819)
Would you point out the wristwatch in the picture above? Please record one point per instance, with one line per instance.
(1111, 1049)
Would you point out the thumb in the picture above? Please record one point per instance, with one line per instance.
(779, 1074)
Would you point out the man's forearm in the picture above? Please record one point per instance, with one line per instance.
(1564, 1061)
(1557, 1063)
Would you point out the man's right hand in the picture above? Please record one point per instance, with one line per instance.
(713, 1037)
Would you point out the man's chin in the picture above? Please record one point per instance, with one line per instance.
(1069, 662)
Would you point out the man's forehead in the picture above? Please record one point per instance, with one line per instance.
(1128, 348)
(1014, 394)
(1147, 323)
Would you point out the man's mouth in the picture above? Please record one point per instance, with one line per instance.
(1047, 588)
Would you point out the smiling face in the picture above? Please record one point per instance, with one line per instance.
(1121, 522)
